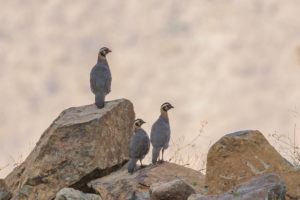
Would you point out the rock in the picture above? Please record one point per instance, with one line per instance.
(83, 143)
(119, 185)
(239, 156)
(72, 194)
(173, 190)
(140, 196)
(196, 196)
(262, 187)
(4, 193)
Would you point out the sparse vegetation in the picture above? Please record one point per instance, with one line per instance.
(235, 194)
(187, 153)
(287, 145)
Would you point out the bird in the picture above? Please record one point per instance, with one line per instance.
(160, 132)
(139, 145)
(100, 78)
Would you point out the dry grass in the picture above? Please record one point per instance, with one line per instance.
(187, 153)
(287, 145)
(16, 161)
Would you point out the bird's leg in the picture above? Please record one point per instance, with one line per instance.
(162, 156)
(142, 166)
(158, 160)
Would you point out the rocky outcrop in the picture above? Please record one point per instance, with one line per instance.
(81, 144)
(119, 185)
(5, 194)
(173, 190)
(262, 187)
(240, 156)
(140, 196)
(72, 194)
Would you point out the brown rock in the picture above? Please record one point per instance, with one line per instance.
(262, 187)
(81, 144)
(72, 194)
(173, 190)
(120, 184)
(239, 156)
(4, 193)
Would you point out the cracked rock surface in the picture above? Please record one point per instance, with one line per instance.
(239, 156)
(72, 194)
(120, 184)
(262, 187)
(83, 143)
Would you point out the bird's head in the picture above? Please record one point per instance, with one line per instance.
(103, 52)
(138, 123)
(166, 106)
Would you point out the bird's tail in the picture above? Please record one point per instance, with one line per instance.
(99, 100)
(131, 165)
(155, 154)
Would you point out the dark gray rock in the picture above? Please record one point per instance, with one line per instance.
(263, 187)
(4, 193)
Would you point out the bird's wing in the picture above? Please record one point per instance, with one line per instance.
(108, 81)
(159, 134)
(136, 146)
(145, 143)
(100, 78)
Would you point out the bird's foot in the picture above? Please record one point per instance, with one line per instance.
(160, 161)
(143, 166)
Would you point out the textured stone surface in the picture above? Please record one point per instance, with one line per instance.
(72, 194)
(81, 144)
(262, 187)
(5, 194)
(173, 190)
(239, 156)
(119, 185)
(140, 196)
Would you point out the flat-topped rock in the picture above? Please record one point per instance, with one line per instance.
(81, 144)
(120, 184)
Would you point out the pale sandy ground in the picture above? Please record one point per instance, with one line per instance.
(235, 64)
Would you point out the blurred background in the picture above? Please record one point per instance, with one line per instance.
(233, 64)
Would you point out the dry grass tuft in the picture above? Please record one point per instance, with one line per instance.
(287, 145)
(187, 153)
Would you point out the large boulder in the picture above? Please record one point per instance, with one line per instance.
(81, 144)
(119, 185)
(262, 187)
(72, 194)
(239, 156)
(5, 194)
(173, 190)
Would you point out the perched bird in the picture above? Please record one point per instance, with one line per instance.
(100, 78)
(160, 132)
(139, 145)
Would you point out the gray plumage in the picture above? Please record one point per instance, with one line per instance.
(139, 145)
(160, 132)
(100, 78)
